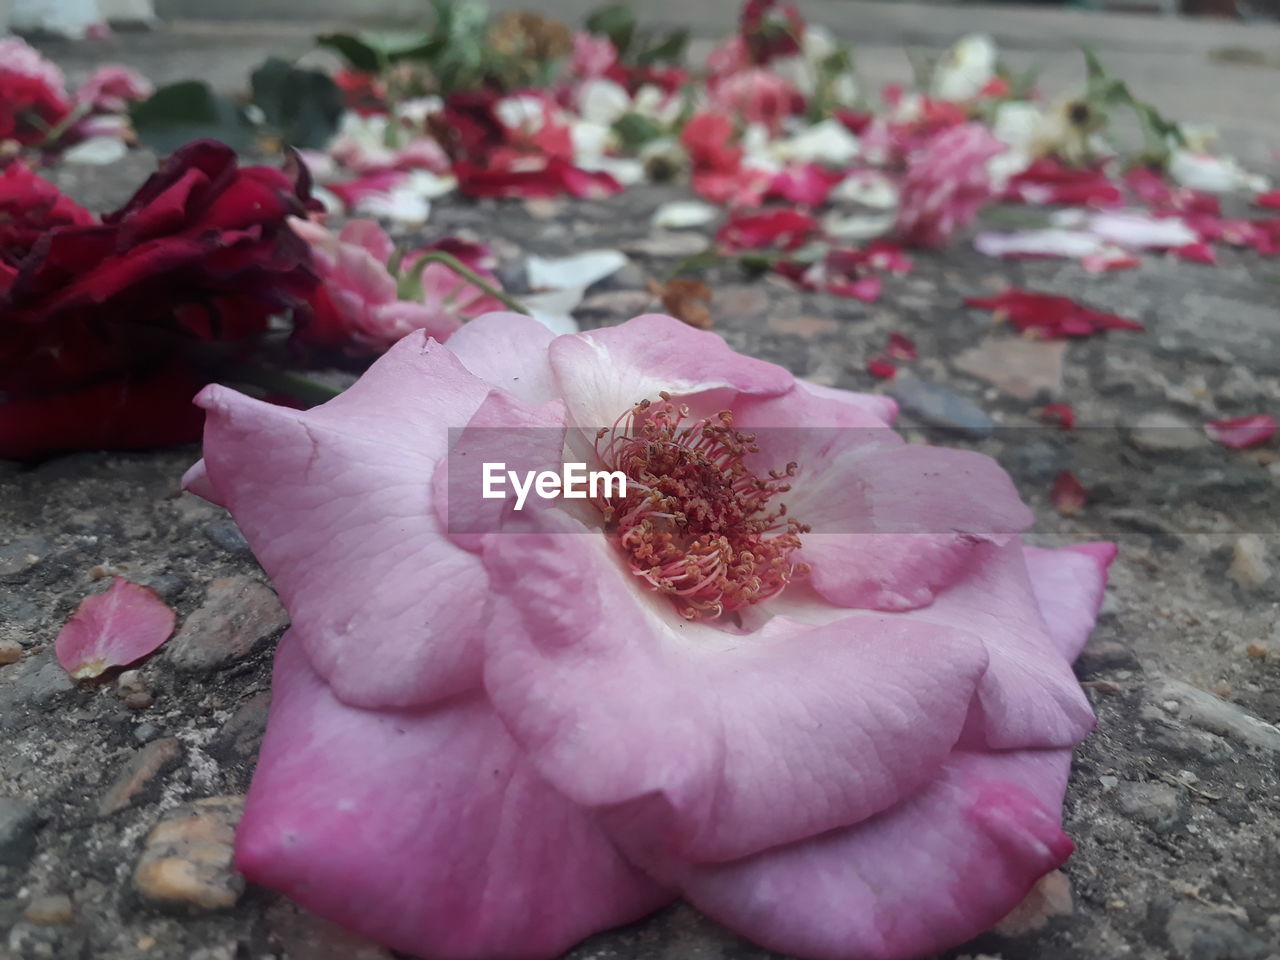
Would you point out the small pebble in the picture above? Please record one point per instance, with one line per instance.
(146, 764)
(186, 861)
(10, 652)
(50, 910)
(1249, 566)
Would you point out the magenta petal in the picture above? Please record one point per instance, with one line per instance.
(111, 629)
(1069, 585)
(1241, 433)
(703, 744)
(929, 874)
(336, 503)
(425, 830)
(604, 373)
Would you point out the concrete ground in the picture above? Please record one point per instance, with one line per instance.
(1174, 802)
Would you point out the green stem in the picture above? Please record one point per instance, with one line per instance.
(279, 381)
(53, 134)
(462, 270)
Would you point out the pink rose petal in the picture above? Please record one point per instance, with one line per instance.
(928, 874)
(425, 829)
(1240, 433)
(111, 629)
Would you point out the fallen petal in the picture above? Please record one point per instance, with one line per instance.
(1239, 433)
(1060, 414)
(1073, 244)
(576, 272)
(682, 214)
(111, 629)
(1068, 494)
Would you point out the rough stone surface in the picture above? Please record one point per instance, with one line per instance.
(186, 862)
(142, 769)
(1160, 806)
(940, 406)
(1024, 369)
(50, 910)
(1160, 432)
(238, 613)
(1176, 627)
(17, 832)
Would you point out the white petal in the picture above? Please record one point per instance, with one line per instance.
(871, 188)
(1038, 243)
(577, 272)
(681, 214)
(965, 69)
(554, 308)
(602, 101)
(827, 142)
(857, 227)
(97, 151)
(1138, 231)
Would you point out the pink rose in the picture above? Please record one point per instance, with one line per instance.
(946, 184)
(111, 88)
(358, 305)
(757, 95)
(842, 732)
(593, 56)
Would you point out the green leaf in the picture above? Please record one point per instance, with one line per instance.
(181, 112)
(304, 106)
(359, 54)
(617, 22)
(670, 49)
(635, 130)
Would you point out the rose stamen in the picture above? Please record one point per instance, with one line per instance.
(695, 522)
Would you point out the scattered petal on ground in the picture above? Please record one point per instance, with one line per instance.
(112, 629)
(1239, 433)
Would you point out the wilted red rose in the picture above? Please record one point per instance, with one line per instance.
(29, 206)
(201, 255)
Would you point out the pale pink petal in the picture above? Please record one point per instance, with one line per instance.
(891, 522)
(509, 350)
(111, 629)
(1069, 584)
(1028, 698)
(369, 235)
(1240, 433)
(1073, 244)
(603, 373)
(336, 503)
(702, 743)
(878, 405)
(931, 872)
(196, 480)
(425, 830)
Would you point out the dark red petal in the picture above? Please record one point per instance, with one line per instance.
(1068, 494)
(120, 414)
(1059, 413)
